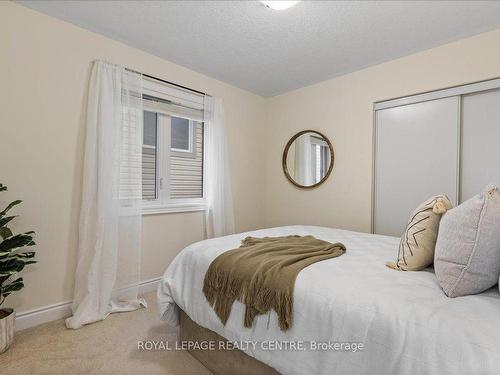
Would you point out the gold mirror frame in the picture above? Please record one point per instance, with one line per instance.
(285, 153)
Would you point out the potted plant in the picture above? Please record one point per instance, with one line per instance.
(13, 258)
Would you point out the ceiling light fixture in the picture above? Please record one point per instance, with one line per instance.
(279, 5)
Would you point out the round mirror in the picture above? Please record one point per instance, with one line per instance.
(308, 159)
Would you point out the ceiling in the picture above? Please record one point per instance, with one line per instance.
(269, 52)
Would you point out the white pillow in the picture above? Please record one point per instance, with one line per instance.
(416, 247)
(467, 259)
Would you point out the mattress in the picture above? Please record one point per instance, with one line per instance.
(352, 315)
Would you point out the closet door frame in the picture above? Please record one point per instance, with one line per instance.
(458, 91)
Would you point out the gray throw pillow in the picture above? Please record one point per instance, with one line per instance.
(467, 257)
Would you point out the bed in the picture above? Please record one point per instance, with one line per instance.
(403, 319)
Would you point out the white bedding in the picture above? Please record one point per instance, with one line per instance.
(407, 324)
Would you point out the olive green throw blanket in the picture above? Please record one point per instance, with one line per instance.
(261, 274)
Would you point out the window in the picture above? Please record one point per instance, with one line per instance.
(182, 134)
(172, 151)
(186, 170)
(320, 158)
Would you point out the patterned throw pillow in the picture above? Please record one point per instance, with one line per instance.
(468, 246)
(416, 248)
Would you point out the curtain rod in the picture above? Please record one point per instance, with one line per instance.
(174, 84)
(168, 82)
(161, 80)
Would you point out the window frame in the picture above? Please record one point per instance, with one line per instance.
(191, 152)
(319, 145)
(163, 204)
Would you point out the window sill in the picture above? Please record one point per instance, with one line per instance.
(173, 208)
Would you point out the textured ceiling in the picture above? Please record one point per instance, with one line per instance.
(270, 52)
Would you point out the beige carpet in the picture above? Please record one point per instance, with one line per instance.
(107, 347)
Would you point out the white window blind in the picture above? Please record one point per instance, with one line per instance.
(173, 101)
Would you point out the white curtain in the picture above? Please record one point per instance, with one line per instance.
(304, 160)
(219, 218)
(108, 268)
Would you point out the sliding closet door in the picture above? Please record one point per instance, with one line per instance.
(416, 156)
(480, 142)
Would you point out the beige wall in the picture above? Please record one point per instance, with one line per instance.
(44, 70)
(342, 109)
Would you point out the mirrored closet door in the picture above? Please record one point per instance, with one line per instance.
(442, 142)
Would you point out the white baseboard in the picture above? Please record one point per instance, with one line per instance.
(149, 285)
(45, 314)
(31, 318)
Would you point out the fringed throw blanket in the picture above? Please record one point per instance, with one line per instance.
(261, 274)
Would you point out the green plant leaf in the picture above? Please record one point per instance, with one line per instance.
(5, 220)
(14, 286)
(12, 204)
(13, 254)
(19, 240)
(5, 232)
(11, 265)
(19, 261)
(3, 278)
(8, 258)
(7, 273)
(26, 254)
(8, 289)
(19, 252)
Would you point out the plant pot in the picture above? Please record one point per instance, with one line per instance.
(7, 325)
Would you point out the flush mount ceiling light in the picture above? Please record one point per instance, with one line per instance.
(279, 5)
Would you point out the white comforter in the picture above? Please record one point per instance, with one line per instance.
(407, 324)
